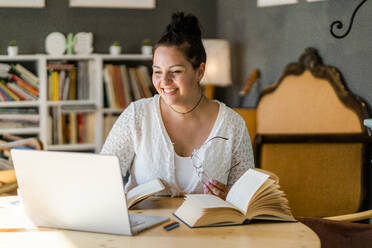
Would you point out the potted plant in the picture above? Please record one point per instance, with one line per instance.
(12, 48)
(115, 48)
(146, 48)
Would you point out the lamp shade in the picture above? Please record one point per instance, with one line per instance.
(218, 66)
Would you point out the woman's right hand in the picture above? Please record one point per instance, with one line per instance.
(214, 187)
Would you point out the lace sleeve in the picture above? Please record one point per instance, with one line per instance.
(119, 142)
(242, 154)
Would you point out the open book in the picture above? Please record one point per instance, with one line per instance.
(143, 191)
(255, 195)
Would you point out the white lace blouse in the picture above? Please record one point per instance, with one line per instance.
(141, 143)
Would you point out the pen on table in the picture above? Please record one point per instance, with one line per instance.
(171, 226)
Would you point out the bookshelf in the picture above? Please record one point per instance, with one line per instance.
(89, 105)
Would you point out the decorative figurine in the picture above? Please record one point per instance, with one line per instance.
(70, 43)
(84, 43)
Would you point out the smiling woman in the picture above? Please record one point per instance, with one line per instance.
(158, 137)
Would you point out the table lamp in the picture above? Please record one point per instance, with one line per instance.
(218, 66)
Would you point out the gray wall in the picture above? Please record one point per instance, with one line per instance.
(129, 26)
(269, 38)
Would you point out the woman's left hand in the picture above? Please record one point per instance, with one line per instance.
(214, 187)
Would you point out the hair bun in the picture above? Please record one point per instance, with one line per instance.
(188, 25)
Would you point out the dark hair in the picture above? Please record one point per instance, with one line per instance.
(184, 32)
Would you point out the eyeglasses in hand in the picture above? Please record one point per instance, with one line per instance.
(198, 165)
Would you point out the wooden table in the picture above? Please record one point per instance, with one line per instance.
(253, 235)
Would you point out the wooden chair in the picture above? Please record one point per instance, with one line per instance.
(310, 133)
(8, 181)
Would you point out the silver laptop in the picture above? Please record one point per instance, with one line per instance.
(78, 191)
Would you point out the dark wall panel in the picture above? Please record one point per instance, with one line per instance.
(30, 27)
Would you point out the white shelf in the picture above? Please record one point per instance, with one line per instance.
(27, 130)
(25, 57)
(20, 104)
(71, 102)
(70, 57)
(96, 61)
(71, 147)
(112, 111)
(125, 57)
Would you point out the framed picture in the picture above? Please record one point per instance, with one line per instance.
(267, 3)
(22, 3)
(134, 4)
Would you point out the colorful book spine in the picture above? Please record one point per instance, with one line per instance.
(22, 90)
(54, 86)
(25, 85)
(119, 86)
(27, 75)
(73, 84)
(4, 96)
(13, 96)
(21, 96)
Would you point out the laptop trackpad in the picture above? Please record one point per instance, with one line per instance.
(140, 222)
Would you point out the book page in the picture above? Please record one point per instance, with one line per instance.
(204, 201)
(243, 190)
(144, 190)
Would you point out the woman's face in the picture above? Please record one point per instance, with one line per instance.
(174, 77)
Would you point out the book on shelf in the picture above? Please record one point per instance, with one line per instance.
(143, 191)
(71, 125)
(126, 84)
(26, 86)
(109, 88)
(8, 93)
(19, 110)
(72, 135)
(118, 90)
(18, 83)
(4, 67)
(54, 86)
(84, 76)
(26, 75)
(19, 117)
(255, 195)
(73, 85)
(69, 81)
(61, 82)
(21, 92)
(4, 97)
(142, 82)
(136, 88)
(119, 82)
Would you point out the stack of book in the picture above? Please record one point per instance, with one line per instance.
(123, 84)
(71, 124)
(17, 83)
(18, 117)
(69, 81)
